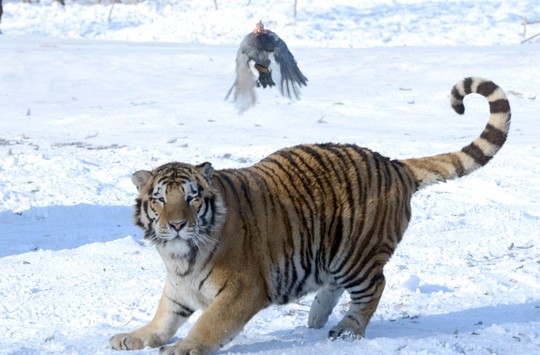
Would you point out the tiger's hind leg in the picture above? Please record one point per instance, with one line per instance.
(365, 297)
(323, 304)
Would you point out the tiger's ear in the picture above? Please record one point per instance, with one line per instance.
(140, 178)
(206, 170)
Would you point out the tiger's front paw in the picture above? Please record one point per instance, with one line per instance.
(127, 341)
(185, 347)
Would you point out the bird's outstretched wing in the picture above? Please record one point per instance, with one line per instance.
(291, 76)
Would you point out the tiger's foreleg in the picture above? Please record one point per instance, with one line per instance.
(220, 322)
(323, 304)
(364, 301)
(170, 315)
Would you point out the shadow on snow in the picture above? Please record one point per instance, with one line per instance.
(467, 322)
(62, 227)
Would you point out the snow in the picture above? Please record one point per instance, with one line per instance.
(85, 102)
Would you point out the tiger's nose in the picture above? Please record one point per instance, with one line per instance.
(177, 225)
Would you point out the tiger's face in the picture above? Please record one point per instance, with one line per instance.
(176, 209)
(177, 203)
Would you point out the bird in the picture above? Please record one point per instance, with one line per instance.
(257, 52)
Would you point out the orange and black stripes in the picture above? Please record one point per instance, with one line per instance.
(334, 202)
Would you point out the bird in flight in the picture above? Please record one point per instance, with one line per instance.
(258, 52)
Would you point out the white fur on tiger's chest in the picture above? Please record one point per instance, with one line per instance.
(186, 290)
(187, 276)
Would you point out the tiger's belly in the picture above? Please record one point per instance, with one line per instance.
(293, 284)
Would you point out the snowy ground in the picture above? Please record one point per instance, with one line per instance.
(79, 113)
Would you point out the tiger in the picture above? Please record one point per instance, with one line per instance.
(322, 218)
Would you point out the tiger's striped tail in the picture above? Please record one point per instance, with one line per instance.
(442, 167)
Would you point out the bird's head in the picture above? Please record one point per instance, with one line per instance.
(259, 28)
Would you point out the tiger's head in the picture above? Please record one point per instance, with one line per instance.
(178, 203)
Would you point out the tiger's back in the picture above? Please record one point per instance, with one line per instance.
(305, 206)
